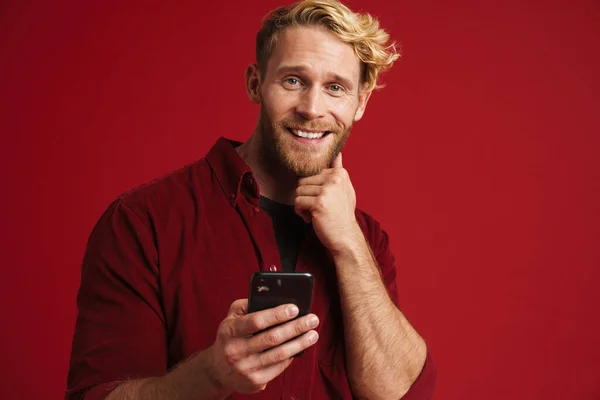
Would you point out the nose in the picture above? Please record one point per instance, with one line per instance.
(312, 104)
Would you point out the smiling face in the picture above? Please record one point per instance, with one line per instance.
(309, 98)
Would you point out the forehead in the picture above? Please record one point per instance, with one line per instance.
(317, 50)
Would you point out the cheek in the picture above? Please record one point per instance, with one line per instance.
(277, 104)
(343, 110)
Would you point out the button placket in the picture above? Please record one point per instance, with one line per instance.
(250, 188)
(260, 228)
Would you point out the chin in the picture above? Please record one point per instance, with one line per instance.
(304, 168)
(305, 173)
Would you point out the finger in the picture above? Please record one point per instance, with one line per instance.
(323, 173)
(308, 190)
(326, 171)
(281, 334)
(304, 204)
(239, 308)
(317, 180)
(337, 162)
(263, 376)
(273, 371)
(286, 350)
(260, 320)
(305, 215)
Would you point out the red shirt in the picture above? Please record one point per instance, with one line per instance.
(165, 262)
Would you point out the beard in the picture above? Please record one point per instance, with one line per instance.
(279, 149)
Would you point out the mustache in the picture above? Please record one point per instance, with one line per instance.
(293, 123)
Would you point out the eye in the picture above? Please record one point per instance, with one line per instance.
(336, 89)
(291, 82)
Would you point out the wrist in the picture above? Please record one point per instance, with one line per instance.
(196, 378)
(208, 367)
(214, 375)
(352, 245)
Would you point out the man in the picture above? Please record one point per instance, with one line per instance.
(158, 315)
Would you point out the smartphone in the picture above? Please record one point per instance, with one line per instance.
(272, 289)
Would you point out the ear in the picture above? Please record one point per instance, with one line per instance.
(363, 99)
(253, 83)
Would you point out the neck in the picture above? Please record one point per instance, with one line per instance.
(274, 181)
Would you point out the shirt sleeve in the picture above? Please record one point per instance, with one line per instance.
(423, 387)
(120, 328)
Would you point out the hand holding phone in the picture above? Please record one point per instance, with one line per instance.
(251, 349)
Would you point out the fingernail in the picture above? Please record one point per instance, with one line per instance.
(313, 336)
(313, 321)
(292, 311)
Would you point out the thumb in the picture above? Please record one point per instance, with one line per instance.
(337, 162)
(239, 307)
(305, 214)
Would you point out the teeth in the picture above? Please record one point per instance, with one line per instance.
(308, 135)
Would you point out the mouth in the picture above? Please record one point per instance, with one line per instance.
(308, 134)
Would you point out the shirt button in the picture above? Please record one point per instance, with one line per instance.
(273, 268)
(256, 209)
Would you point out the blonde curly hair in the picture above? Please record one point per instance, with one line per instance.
(361, 31)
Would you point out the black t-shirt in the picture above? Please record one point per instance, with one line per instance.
(290, 231)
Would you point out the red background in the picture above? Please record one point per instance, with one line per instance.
(479, 158)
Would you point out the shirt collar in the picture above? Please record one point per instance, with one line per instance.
(231, 171)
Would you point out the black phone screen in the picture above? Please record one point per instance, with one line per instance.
(271, 289)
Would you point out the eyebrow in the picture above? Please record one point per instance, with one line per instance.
(299, 68)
